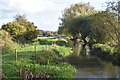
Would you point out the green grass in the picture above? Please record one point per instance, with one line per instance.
(48, 38)
(22, 53)
(25, 56)
(32, 48)
(29, 49)
(64, 51)
(45, 37)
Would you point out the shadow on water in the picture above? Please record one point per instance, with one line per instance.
(82, 61)
(92, 68)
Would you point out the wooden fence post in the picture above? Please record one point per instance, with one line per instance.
(35, 48)
(15, 54)
(46, 47)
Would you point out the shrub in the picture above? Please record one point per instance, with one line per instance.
(104, 55)
(53, 55)
(62, 43)
(6, 41)
(9, 70)
(105, 47)
(115, 58)
(47, 56)
(107, 53)
(62, 70)
(45, 42)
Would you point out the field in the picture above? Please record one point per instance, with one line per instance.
(43, 53)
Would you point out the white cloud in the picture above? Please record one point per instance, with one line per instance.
(38, 11)
(44, 13)
(31, 6)
(44, 26)
(92, 0)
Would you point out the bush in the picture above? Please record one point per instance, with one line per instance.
(9, 70)
(6, 41)
(62, 43)
(116, 58)
(62, 70)
(45, 42)
(47, 56)
(53, 55)
(107, 53)
(104, 55)
(105, 47)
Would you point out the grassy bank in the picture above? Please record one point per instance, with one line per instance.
(43, 59)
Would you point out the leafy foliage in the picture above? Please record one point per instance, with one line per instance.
(45, 42)
(62, 70)
(64, 51)
(6, 42)
(47, 56)
(75, 21)
(14, 28)
(21, 29)
(105, 47)
(9, 70)
(107, 30)
(62, 43)
(53, 55)
(106, 52)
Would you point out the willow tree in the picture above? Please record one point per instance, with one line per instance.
(106, 25)
(76, 24)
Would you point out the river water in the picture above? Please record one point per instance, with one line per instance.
(93, 67)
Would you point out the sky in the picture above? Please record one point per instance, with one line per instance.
(44, 14)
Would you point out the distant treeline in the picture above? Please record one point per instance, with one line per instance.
(47, 33)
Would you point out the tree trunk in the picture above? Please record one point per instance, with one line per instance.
(77, 48)
(83, 50)
(85, 42)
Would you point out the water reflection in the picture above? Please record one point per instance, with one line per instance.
(92, 67)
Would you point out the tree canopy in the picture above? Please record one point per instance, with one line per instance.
(21, 29)
(76, 21)
(106, 25)
(82, 21)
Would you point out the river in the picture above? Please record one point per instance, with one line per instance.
(93, 67)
